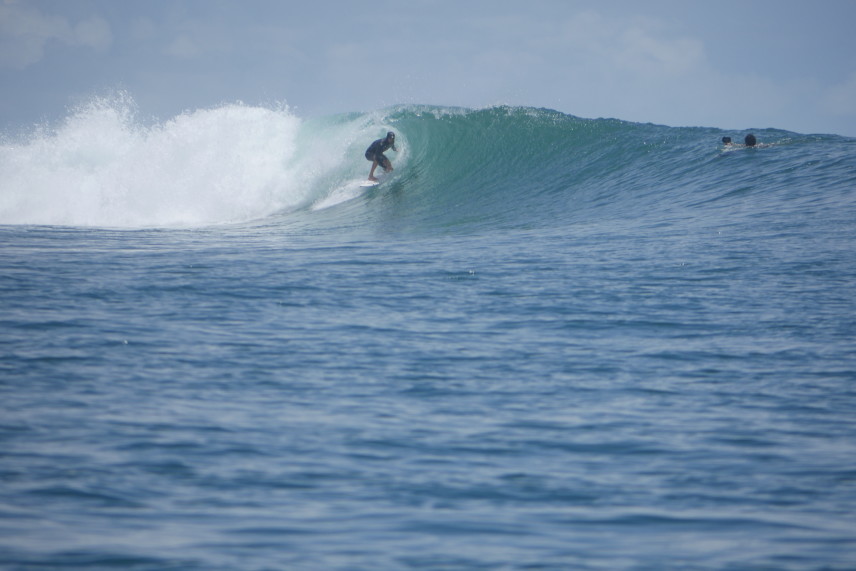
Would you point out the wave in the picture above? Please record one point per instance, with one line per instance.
(495, 167)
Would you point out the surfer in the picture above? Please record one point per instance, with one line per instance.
(750, 140)
(375, 154)
(726, 141)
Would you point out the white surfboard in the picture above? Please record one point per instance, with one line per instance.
(369, 183)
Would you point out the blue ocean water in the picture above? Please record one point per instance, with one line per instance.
(544, 342)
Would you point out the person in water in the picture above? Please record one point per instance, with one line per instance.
(748, 141)
(375, 154)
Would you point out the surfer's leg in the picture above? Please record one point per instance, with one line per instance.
(371, 173)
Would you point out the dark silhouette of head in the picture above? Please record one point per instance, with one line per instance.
(750, 140)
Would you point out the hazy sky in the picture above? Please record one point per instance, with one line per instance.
(789, 64)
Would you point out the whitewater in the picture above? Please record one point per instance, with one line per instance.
(544, 342)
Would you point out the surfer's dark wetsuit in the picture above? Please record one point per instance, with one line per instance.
(376, 151)
(375, 154)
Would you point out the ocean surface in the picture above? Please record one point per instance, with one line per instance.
(543, 342)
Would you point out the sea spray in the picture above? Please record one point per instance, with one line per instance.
(103, 167)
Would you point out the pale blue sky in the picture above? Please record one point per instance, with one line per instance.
(738, 65)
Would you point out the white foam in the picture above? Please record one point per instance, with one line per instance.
(102, 167)
(233, 163)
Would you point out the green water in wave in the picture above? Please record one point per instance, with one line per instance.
(508, 167)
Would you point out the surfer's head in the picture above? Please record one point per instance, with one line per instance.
(726, 140)
(390, 136)
(750, 140)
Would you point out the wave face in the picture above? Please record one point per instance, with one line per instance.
(518, 167)
(456, 169)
